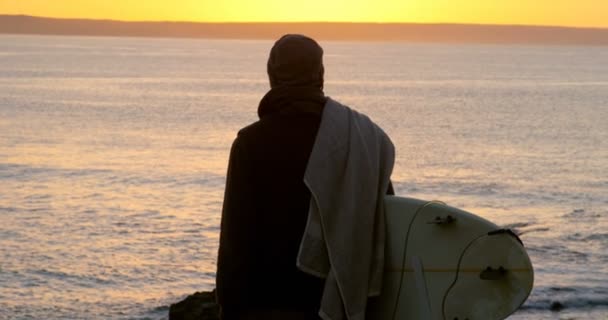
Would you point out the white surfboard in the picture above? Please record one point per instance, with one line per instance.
(445, 263)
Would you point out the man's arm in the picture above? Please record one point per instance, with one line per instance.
(236, 226)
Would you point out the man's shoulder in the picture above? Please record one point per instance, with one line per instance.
(268, 125)
(250, 130)
(253, 133)
(342, 114)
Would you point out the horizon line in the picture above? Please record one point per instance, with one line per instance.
(326, 31)
(313, 22)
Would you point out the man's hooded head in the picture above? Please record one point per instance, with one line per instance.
(296, 61)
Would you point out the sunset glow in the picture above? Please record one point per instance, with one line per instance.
(578, 13)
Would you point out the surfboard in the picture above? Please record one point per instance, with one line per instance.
(443, 263)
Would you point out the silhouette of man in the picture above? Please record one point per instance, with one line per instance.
(266, 201)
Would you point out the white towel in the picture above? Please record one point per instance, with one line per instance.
(348, 175)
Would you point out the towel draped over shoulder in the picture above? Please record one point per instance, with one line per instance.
(348, 174)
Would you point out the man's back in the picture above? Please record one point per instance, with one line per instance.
(266, 207)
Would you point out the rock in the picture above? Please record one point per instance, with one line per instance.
(557, 306)
(198, 306)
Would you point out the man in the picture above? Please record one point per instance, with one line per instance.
(267, 203)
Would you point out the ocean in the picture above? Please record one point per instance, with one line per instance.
(113, 155)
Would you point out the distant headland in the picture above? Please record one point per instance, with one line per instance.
(405, 32)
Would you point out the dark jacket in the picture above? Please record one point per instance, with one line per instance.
(266, 207)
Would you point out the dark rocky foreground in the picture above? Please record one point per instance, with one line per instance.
(202, 306)
(199, 306)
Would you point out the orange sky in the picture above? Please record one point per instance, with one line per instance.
(578, 13)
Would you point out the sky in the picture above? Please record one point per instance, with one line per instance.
(573, 13)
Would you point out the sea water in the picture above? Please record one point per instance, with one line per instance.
(113, 156)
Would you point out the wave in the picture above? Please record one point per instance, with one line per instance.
(501, 192)
(580, 214)
(559, 250)
(560, 304)
(557, 298)
(599, 237)
(107, 177)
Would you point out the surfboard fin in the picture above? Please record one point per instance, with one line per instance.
(442, 220)
(493, 274)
